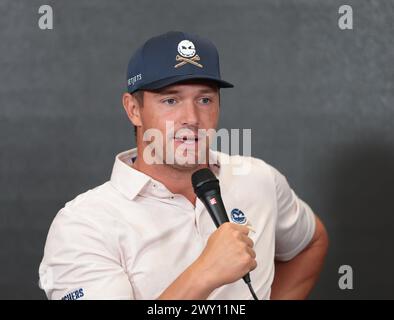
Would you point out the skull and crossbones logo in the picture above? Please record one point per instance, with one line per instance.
(187, 54)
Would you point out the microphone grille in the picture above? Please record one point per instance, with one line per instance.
(204, 177)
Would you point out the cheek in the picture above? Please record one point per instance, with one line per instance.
(151, 117)
(157, 119)
(210, 119)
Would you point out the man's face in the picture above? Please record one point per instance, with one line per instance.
(179, 112)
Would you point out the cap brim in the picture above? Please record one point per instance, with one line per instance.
(176, 79)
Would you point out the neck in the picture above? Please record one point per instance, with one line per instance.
(177, 180)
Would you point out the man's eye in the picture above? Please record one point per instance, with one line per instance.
(205, 100)
(169, 101)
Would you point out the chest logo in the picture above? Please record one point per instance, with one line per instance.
(238, 216)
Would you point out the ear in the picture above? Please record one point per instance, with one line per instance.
(132, 108)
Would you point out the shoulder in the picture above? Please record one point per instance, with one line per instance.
(95, 211)
(94, 203)
(246, 167)
(248, 176)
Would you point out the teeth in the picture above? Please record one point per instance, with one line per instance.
(187, 140)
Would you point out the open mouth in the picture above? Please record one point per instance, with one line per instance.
(187, 140)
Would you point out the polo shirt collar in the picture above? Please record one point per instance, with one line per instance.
(130, 181)
(125, 178)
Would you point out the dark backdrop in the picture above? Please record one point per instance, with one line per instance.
(319, 101)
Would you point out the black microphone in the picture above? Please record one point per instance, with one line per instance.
(206, 187)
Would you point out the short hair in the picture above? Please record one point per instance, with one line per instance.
(139, 96)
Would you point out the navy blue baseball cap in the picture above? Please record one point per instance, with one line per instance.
(171, 58)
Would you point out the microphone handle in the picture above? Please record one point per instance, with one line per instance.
(214, 203)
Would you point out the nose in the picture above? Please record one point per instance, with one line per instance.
(190, 114)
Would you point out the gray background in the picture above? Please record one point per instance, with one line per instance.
(319, 101)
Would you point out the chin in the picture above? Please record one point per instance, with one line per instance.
(185, 166)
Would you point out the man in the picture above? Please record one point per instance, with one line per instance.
(144, 235)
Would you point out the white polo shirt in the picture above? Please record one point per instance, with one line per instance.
(130, 237)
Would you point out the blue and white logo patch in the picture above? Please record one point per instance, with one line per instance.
(74, 295)
(238, 216)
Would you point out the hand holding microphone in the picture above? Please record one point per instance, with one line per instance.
(229, 253)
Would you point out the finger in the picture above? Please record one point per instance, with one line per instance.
(250, 228)
(254, 265)
(251, 252)
(242, 228)
(248, 241)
